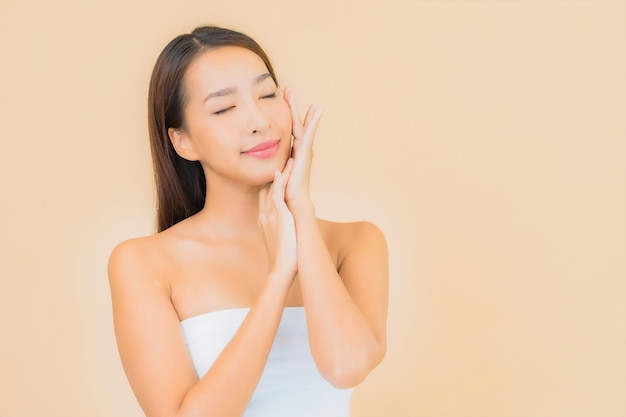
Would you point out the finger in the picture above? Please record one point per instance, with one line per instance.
(278, 192)
(264, 196)
(309, 114)
(311, 127)
(295, 115)
(262, 213)
(287, 172)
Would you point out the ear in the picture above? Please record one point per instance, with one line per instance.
(182, 144)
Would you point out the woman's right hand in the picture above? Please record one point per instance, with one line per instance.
(278, 226)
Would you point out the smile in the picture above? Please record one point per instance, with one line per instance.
(263, 149)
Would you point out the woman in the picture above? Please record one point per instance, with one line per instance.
(244, 303)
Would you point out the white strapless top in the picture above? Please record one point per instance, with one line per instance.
(290, 385)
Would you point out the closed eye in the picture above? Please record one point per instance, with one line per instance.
(224, 110)
(273, 95)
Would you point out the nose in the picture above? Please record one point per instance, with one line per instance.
(258, 122)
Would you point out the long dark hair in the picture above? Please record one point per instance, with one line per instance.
(180, 183)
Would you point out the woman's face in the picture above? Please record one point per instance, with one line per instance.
(238, 124)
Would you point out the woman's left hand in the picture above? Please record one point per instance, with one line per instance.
(297, 190)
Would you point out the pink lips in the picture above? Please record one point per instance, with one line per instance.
(263, 149)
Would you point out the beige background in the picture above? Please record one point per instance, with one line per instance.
(486, 138)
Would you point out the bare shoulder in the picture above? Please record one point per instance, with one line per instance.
(136, 259)
(350, 231)
(348, 238)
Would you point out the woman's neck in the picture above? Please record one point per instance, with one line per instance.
(230, 209)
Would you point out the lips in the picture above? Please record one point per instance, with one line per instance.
(263, 149)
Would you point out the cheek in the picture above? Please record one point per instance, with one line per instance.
(283, 116)
(212, 137)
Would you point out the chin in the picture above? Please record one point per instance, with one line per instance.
(265, 175)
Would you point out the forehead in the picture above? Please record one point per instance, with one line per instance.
(227, 66)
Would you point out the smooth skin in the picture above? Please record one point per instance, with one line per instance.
(256, 243)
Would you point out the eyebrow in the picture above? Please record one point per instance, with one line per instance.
(231, 90)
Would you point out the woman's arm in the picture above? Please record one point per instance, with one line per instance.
(150, 340)
(346, 306)
(346, 309)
